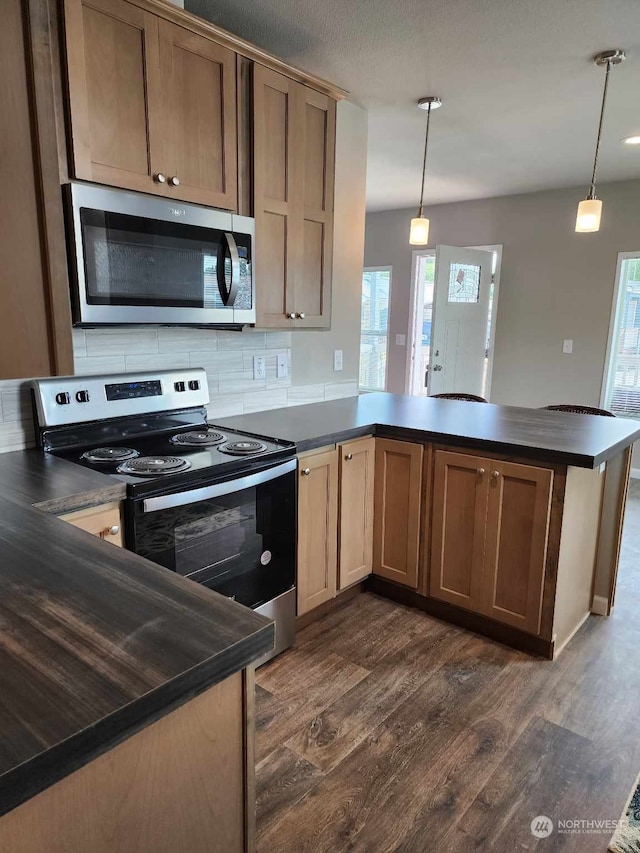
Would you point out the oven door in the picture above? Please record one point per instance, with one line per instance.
(140, 259)
(237, 537)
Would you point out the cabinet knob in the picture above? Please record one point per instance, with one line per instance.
(349, 457)
(113, 530)
(301, 316)
(495, 475)
(159, 178)
(174, 181)
(306, 471)
(480, 472)
(291, 315)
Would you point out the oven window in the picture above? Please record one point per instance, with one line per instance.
(241, 544)
(131, 260)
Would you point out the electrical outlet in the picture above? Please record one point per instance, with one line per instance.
(567, 346)
(259, 367)
(401, 340)
(337, 359)
(282, 365)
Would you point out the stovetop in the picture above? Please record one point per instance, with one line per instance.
(190, 464)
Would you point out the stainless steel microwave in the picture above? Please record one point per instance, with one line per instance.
(143, 259)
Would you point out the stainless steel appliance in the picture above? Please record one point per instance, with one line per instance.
(144, 259)
(216, 506)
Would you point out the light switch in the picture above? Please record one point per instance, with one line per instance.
(282, 365)
(567, 346)
(337, 359)
(259, 367)
(401, 340)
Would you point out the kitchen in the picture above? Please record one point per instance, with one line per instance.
(142, 134)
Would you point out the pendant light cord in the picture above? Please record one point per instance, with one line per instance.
(424, 163)
(592, 188)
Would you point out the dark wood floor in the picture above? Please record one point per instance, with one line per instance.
(386, 730)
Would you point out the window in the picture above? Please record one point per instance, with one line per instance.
(376, 290)
(622, 394)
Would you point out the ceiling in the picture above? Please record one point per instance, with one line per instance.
(521, 97)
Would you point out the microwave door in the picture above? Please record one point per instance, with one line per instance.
(244, 305)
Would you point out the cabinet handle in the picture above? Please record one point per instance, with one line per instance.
(301, 316)
(349, 457)
(495, 475)
(174, 181)
(306, 471)
(159, 178)
(480, 472)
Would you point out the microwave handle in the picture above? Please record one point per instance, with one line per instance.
(229, 296)
(219, 489)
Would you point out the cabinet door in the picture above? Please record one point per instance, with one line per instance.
(458, 528)
(103, 521)
(198, 118)
(355, 522)
(516, 546)
(275, 164)
(396, 542)
(114, 92)
(316, 130)
(317, 529)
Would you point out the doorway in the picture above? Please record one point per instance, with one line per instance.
(454, 298)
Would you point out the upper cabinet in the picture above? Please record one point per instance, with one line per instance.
(293, 158)
(152, 104)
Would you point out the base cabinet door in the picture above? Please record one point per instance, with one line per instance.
(317, 529)
(458, 528)
(355, 512)
(104, 521)
(398, 486)
(519, 503)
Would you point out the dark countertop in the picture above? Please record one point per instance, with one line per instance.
(581, 440)
(95, 642)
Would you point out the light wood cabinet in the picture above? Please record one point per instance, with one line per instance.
(317, 529)
(490, 525)
(293, 158)
(355, 521)
(152, 105)
(398, 488)
(104, 521)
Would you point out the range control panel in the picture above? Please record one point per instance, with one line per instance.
(62, 400)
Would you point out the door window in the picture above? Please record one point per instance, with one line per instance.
(374, 337)
(622, 394)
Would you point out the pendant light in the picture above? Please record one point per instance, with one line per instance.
(419, 232)
(590, 209)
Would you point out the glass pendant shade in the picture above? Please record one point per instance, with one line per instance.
(419, 233)
(589, 214)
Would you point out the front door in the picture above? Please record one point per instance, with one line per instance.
(462, 292)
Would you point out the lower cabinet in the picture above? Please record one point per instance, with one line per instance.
(104, 521)
(490, 526)
(335, 520)
(396, 539)
(317, 529)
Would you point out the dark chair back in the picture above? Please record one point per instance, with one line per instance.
(579, 410)
(470, 398)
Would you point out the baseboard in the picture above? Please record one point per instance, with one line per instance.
(635, 473)
(600, 605)
(558, 648)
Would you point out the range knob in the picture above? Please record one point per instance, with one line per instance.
(82, 396)
(194, 384)
(179, 386)
(63, 399)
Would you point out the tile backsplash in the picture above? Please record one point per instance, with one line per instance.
(226, 356)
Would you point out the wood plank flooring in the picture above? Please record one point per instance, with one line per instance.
(387, 730)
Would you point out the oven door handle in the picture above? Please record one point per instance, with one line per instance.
(215, 491)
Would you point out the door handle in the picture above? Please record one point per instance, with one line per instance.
(229, 294)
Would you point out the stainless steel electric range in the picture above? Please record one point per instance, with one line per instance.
(216, 506)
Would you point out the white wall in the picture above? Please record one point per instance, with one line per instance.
(555, 284)
(228, 356)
